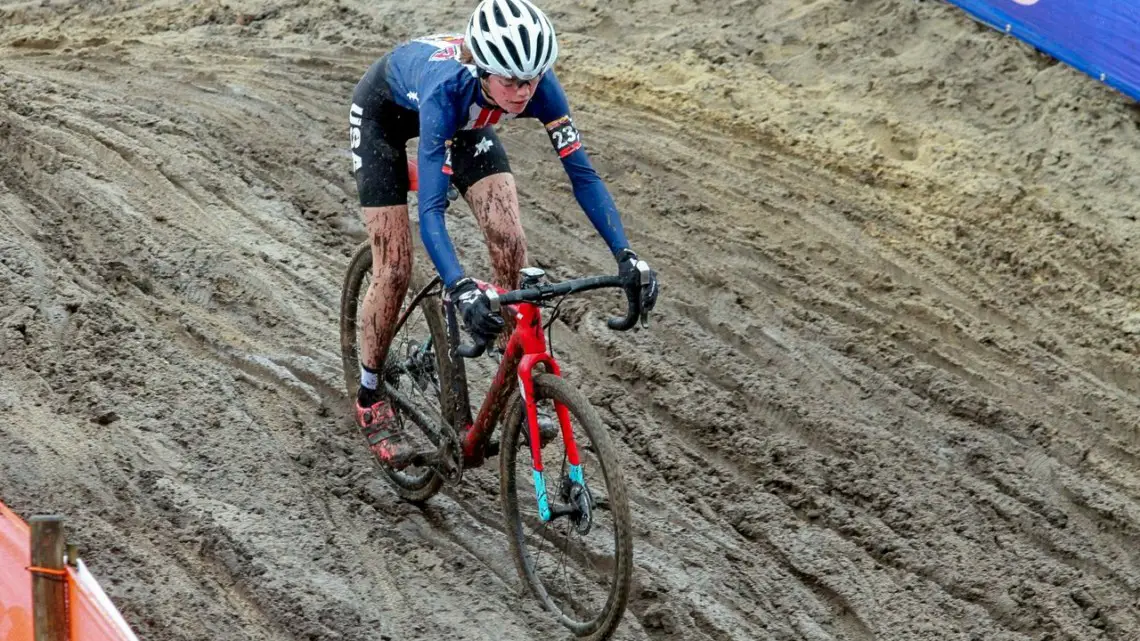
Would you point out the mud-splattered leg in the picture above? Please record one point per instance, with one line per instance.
(496, 206)
(391, 238)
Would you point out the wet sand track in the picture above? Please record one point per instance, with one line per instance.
(891, 392)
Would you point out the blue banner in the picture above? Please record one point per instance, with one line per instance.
(1099, 37)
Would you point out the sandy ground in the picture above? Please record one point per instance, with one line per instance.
(892, 392)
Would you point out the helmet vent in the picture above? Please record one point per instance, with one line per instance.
(524, 38)
(500, 60)
(500, 19)
(541, 44)
(515, 57)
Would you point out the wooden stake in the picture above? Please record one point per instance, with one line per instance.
(49, 590)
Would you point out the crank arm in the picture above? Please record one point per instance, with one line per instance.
(448, 464)
(401, 401)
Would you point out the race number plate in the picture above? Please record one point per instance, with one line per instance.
(564, 135)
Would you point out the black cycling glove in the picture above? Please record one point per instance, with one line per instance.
(475, 309)
(627, 268)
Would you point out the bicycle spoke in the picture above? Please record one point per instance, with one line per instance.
(415, 390)
(566, 578)
(577, 571)
(411, 372)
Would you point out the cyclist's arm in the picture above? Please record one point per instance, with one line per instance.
(553, 110)
(437, 126)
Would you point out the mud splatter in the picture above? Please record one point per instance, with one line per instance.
(494, 203)
(391, 239)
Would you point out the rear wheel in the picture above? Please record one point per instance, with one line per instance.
(577, 564)
(417, 367)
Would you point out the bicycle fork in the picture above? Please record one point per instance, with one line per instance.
(576, 477)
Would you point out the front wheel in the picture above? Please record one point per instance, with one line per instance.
(578, 561)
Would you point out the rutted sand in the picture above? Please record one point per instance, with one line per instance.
(891, 393)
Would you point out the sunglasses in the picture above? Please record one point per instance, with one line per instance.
(516, 83)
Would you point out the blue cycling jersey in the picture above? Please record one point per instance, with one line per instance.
(425, 75)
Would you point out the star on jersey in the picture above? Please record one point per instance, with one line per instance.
(413, 96)
(484, 145)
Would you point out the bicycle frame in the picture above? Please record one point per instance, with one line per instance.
(526, 350)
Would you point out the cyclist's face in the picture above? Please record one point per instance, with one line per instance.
(509, 93)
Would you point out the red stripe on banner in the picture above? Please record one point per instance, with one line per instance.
(569, 150)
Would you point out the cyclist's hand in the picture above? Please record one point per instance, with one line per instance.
(475, 310)
(627, 268)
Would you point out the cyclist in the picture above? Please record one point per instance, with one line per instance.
(450, 90)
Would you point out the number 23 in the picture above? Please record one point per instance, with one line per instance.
(565, 137)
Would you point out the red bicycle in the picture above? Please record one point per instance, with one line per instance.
(564, 501)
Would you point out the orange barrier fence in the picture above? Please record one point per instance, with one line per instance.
(93, 616)
(15, 583)
(90, 614)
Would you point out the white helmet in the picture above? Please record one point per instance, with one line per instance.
(511, 38)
